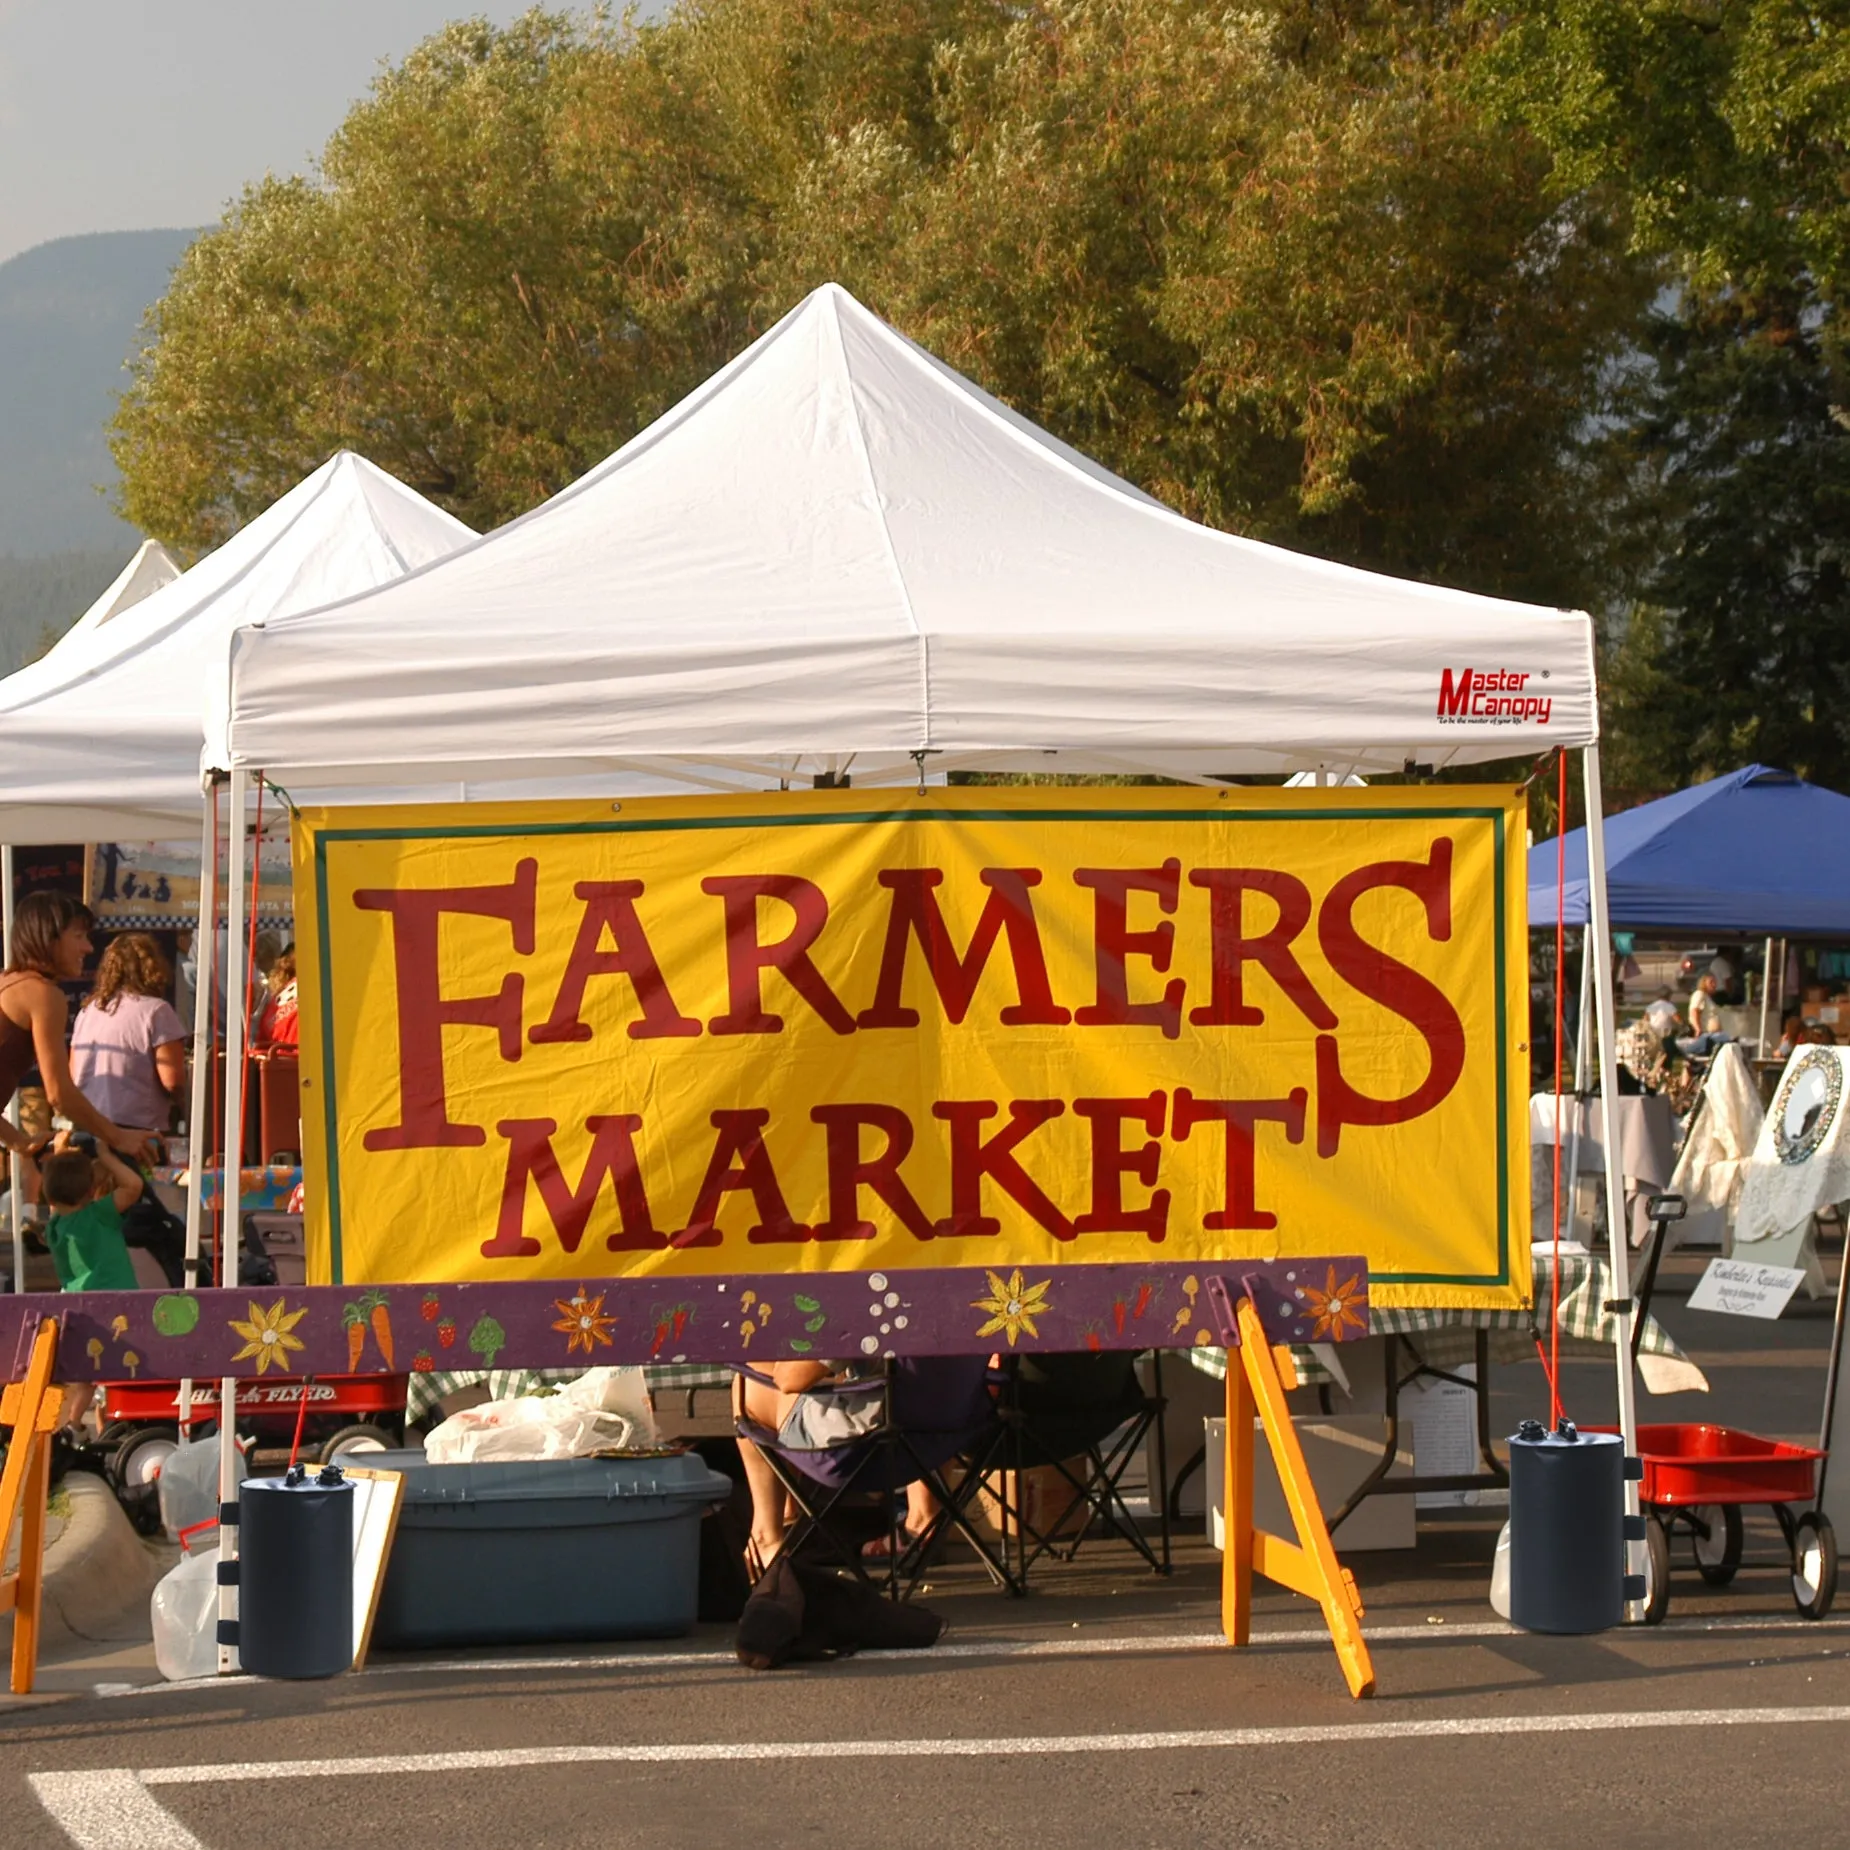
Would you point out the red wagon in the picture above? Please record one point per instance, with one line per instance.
(1696, 1478)
(345, 1413)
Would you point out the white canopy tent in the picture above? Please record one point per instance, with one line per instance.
(837, 555)
(837, 559)
(100, 740)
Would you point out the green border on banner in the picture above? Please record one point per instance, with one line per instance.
(1495, 816)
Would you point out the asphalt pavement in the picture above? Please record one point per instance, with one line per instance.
(1102, 1709)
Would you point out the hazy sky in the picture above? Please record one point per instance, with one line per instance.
(123, 115)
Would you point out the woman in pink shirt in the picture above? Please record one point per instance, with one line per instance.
(128, 1050)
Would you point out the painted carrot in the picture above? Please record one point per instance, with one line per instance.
(1143, 1299)
(681, 1315)
(353, 1321)
(661, 1336)
(1117, 1314)
(382, 1325)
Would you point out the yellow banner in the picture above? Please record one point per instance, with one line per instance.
(853, 1030)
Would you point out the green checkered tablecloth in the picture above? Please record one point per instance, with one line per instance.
(1447, 1337)
(423, 1392)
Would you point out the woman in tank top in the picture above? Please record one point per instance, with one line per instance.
(50, 944)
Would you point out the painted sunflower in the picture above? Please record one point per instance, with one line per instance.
(1012, 1306)
(1338, 1307)
(267, 1336)
(584, 1321)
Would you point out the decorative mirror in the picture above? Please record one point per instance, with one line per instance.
(1805, 1106)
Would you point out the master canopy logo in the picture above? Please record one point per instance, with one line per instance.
(1492, 697)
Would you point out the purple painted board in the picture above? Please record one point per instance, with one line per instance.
(394, 1329)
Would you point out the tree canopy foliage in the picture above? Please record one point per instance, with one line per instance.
(1717, 135)
(1540, 298)
(1283, 266)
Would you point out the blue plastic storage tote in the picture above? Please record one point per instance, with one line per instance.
(569, 1548)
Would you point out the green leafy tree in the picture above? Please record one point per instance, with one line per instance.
(1717, 138)
(1281, 266)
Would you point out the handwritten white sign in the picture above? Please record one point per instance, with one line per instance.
(1740, 1289)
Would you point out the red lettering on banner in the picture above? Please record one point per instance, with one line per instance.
(850, 1172)
(531, 1158)
(1114, 942)
(1239, 1118)
(424, 1011)
(740, 1164)
(610, 906)
(973, 1158)
(1385, 980)
(1008, 911)
(1111, 1163)
(748, 957)
(1231, 949)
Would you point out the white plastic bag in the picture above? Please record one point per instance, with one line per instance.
(188, 1484)
(185, 1614)
(1500, 1575)
(604, 1410)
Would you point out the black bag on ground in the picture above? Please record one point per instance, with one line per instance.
(799, 1613)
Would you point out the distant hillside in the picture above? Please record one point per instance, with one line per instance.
(69, 311)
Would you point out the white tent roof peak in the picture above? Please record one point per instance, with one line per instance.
(102, 742)
(836, 554)
(150, 567)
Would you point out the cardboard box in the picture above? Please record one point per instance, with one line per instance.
(1340, 1450)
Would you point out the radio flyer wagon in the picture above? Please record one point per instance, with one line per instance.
(1697, 1479)
(141, 1424)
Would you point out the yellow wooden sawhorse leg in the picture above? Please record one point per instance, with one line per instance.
(34, 1409)
(1308, 1565)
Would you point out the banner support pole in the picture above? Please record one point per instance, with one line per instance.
(1599, 933)
(198, 1140)
(231, 1160)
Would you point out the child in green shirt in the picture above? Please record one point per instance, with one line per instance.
(87, 1196)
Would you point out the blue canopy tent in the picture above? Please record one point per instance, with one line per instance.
(1756, 854)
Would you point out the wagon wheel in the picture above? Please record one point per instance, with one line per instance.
(1656, 1570)
(1814, 1564)
(1715, 1540)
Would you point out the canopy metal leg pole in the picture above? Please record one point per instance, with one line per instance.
(1766, 997)
(15, 1173)
(1600, 935)
(230, 1181)
(198, 1139)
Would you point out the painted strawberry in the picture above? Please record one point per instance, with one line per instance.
(446, 1332)
(423, 1362)
(430, 1307)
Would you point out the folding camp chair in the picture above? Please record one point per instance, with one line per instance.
(1083, 1416)
(935, 1409)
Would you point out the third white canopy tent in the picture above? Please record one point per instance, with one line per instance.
(839, 558)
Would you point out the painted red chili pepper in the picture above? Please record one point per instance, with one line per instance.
(661, 1336)
(1143, 1300)
(1117, 1314)
(1094, 1340)
(680, 1320)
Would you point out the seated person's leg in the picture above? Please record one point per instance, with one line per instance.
(768, 1404)
(758, 1401)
